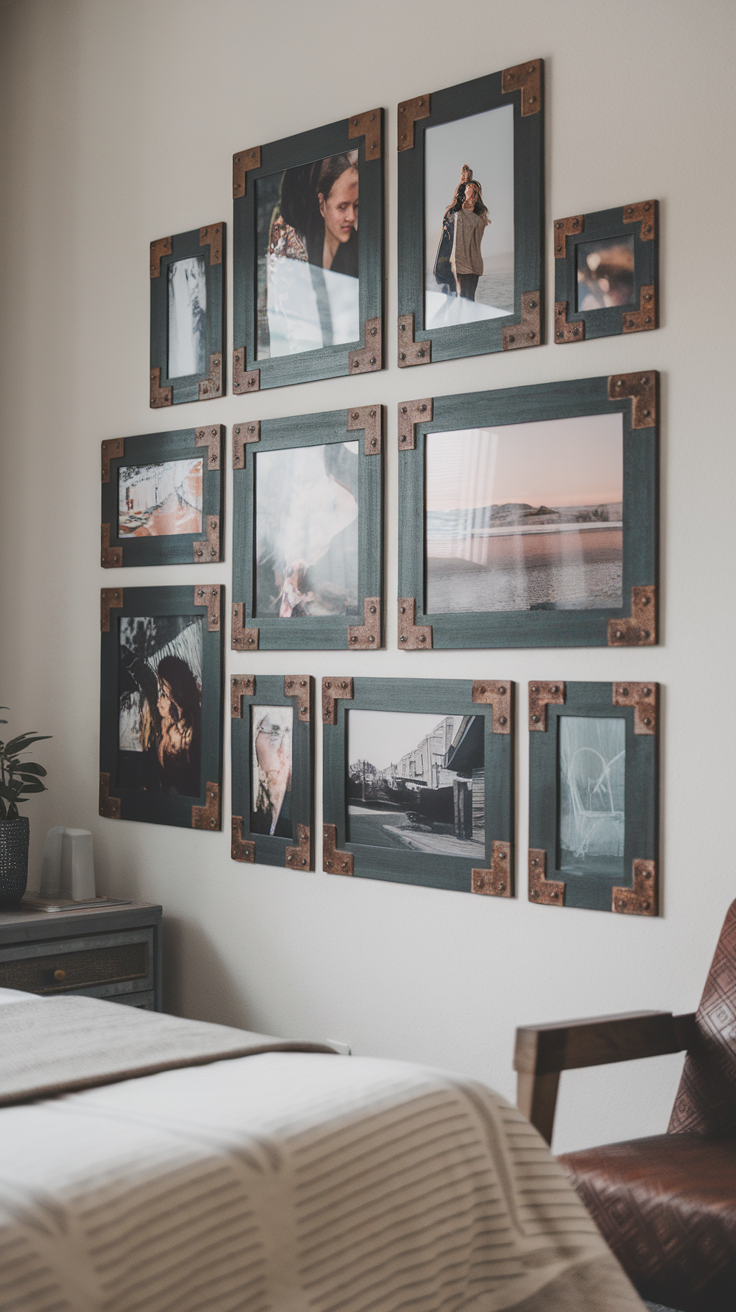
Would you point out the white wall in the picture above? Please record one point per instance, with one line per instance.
(121, 120)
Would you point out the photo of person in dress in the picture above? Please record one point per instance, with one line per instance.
(271, 746)
(160, 704)
(469, 223)
(442, 266)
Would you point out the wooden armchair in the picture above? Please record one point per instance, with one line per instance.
(666, 1205)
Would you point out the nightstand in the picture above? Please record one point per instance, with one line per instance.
(103, 952)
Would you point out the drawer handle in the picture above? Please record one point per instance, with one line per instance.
(60, 975)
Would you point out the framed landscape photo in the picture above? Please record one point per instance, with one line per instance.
(161, 705)
(162, 498)
(529, 516)
(594, 796)
(272, 738)
(308, 532)
(307, 276)
(187, 317)
(418, 782)
(606, 272)
(471, 217)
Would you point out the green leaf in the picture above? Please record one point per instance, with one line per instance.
(30, 767)
(7, 793)
(32, 787)
(23, 741)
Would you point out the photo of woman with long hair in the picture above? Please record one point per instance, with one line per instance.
(160, 705)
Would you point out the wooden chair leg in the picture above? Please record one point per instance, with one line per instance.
(536, 1098)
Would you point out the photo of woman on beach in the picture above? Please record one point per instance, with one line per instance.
(160, 702)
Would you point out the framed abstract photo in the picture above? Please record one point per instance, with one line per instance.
(529, 516)
(308, 532)
(272, 738)
(594, 796)
(187, 317)
(606, 272)
(308, 277)
(418, 782)
(161, 705)
(162, 498)
(471, 218)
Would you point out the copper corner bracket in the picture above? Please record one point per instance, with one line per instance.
(408, 113)
(300, 857)
(367, 636)
(643, 897)
(334, 861)
(370, 419)
(564, 331)
(300, 687)
(112, 449)
(529, 331)
(542, 695)
(548, 892)
(331, 690)
(207, 550)
(209, 596)
(644, 698)
(210, 437)
(412, 637)
(645, 318)
(412, 413)
(158, 250)
(242, 163)
(159, 396)
(565, 228)
(109, 597)
(495, 882)
(498, 695)
(644, 213)
(367, 125)
(212, 237)
(640, 630)
(411, 352)
(241, 849)
(642, 390)
(528, 77)
(211, 386)
(366, 359)
(208, 816)
(109, 806)
(241, 639)
(244, 381)
(110, 557)
(241, 685)
(242, 435)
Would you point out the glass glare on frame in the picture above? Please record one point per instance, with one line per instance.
(187, 316)
(592, 761)
(271, 769)
(160, 499)
(605, 273)
(160, 704)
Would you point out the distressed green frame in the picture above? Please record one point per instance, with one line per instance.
(207, 386)
(640, 221)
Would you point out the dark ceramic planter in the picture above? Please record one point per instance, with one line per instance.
(14, 836)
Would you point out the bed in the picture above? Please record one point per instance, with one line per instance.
(152, 1164)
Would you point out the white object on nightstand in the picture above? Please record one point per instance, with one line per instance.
(77, 865)
(51, 868)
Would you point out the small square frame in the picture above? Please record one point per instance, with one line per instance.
(640, 222)
(210, 384)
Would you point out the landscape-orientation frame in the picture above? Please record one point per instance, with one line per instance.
(594, 796)
(308, 532)
(161, 725)
(441, 815)
(427, 327)
(272, 740)
(607, 272)
(187, 317)
(344, 335)
(633, 622)
(162, 498)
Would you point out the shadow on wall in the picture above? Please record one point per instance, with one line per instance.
(190, 954)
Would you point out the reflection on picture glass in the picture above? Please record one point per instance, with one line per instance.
(525, 516)
(271, 762)
(158, 500)
(160, 704)
(605, 273)
(417, 782)
(592, 760)
(187, 316)
(469, 219)
(307, 531)
(307, 225)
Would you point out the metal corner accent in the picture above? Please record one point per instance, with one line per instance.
(241, 685)
(642, 899)
(408, 113)
(500, 696)
(411, 352)
(158, 250)
(367, 125)
(564, 228)
(640, 629)
(244, 381)
(644, 698)
(241, 849)
(209, 596)
(528, 77)
(529, 332)
(241, 639)
(211, 386)
(211, 438)
(542, 695)
(367, 636)
(370, 419)
(109, 806)
(642, 390)
(243, 433)
(212, 237)
(410, 414)
(645, 213)
(109, 597)
(206, 551)
(300, 857)
(644, 319)
(548, 892)
(495, 882)
(564, 331)
(368, 358)
(112, 449)
(242, 163)
(208, 816)
(412, 637)
(334, 861)
(300, 686)
(331, 690)
(110, 557)
(159, 396)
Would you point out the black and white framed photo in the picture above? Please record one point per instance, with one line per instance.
(471, 217)
(594, 796)
(161, 705)
(308, 277)
(162, 498)
(418, 782)
(272, 738)
(529, 516)
(187, 317)
(308, 532)
(606, 272)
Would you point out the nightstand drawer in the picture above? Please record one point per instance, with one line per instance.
(100, 962)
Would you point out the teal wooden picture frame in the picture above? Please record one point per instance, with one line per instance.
(187, 336)
(282, 835)
(594, 796)
(613, 256)
(429, 793)
(634, 622)
(256, 622)
(160, 497)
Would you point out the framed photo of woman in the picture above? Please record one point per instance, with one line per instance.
(161, 705)
(607, 272)
(308, 275)
(187, 317)
(471, 217)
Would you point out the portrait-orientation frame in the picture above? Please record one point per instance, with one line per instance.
(491, 699)
(638, 705)
(203, 811)
(640, 221)
(310, 633)
(364, 133)
(522, 87)
(204, 548)
(633, 624)
(296, 691)
(165, 391)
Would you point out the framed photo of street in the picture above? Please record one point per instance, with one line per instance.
(187, 317)
(606, 272)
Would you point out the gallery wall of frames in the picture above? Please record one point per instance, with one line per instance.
(528, 518)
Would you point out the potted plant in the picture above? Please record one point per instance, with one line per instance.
(18, 779)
